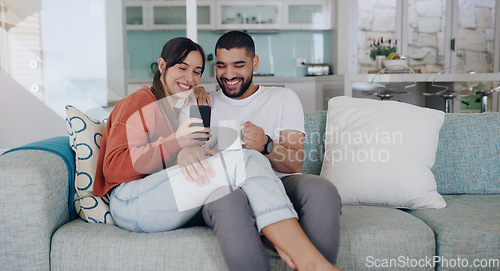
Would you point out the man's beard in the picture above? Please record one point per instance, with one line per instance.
(244, 87)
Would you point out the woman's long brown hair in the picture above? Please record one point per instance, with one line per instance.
(173, 52)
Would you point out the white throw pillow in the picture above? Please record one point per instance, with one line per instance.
(382, 152)
(85, 134)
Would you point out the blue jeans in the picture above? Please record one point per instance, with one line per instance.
(166, 200)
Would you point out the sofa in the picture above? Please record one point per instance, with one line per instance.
(38, 233)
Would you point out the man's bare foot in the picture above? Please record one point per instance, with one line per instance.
(281, 253)
(286, 258)
(322, 266)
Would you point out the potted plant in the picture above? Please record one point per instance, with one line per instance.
(384, 53)
(381, 48)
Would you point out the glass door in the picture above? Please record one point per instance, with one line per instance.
(425, 41)
(473, 35)
(433, 35)
(376, 26)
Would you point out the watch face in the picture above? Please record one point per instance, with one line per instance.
(269, 145)
(268, 148)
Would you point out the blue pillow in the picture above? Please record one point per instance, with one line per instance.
(468, 154)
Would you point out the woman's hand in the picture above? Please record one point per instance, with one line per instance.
(201, 97)
(188, 136)
(194, 164)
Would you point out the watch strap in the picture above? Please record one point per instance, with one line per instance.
(266, 146)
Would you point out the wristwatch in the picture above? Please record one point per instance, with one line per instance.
(268, 148)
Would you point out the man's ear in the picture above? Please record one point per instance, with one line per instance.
(255, 63)
(162, 65)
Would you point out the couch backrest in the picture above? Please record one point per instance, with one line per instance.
(314, 145)
(467, 158)
(468, 154)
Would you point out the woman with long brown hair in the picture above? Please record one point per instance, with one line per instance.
(143, 136)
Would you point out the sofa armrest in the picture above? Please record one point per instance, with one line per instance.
(34, 203)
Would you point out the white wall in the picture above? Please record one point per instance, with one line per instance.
(116, 50)
(24, 118)
(346, 37)
(74, 47)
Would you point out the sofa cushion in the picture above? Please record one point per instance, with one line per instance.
(85, 134)
(468, 228)
(371, 236)
(382, 152)
(108, 247)
(468, 154)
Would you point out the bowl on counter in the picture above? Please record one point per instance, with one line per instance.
(396, 64)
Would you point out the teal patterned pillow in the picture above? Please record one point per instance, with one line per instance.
(85, 134)
(468, 154)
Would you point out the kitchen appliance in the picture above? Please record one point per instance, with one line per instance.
(314, 69)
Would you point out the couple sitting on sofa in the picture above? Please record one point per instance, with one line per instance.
(145, 149)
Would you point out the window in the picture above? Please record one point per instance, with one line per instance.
(432, 34)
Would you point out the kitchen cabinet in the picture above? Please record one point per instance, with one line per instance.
(246, 15)
(167, 15)
(228, 15)
(307, 15)
(171, 15)
(136, 15)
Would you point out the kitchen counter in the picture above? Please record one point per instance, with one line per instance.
(352, 85)
(264, 79)
(306, 88)
(315, 91)
(419, 77)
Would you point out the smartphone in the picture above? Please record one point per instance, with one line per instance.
(202, 112)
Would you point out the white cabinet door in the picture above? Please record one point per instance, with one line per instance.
(171, 15)
(249, 15)
(136, 15)
(307, 15)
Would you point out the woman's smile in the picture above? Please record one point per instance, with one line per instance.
(184, 87)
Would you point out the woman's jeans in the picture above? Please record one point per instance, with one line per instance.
(166, 200)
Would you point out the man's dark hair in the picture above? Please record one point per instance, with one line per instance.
(236, 39)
